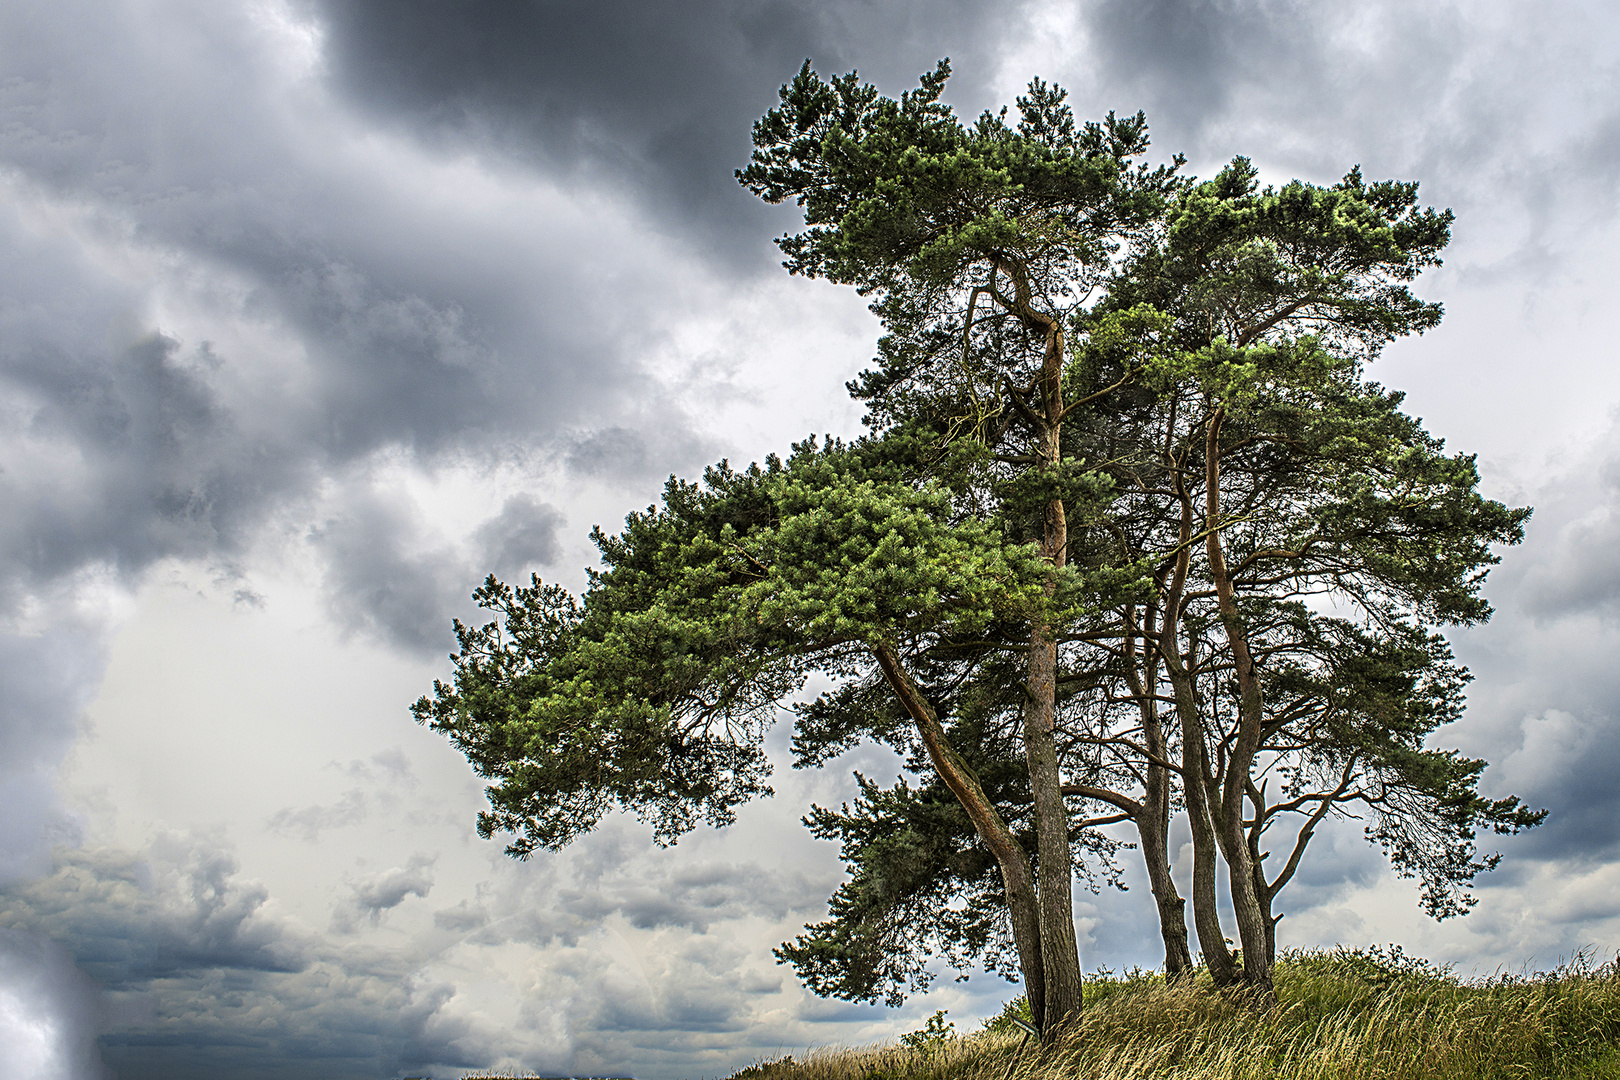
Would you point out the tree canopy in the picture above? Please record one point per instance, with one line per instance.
(1130, 534)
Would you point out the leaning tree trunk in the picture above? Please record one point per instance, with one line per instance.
(1023, 904)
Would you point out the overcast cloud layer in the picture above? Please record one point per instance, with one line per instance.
(312, 312)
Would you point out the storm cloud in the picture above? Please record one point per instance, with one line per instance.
(654, 99)
(315, 312)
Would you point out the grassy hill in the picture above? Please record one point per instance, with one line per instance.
(1343, 1015)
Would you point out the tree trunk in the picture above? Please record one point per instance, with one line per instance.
(1153, 819)
(1060, 952)
(1194, 764)
(1154, 829)
(1023, 905)
(1195, 771)
(1254, 924)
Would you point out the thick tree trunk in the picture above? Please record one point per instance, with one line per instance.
(1023, 905)
(1253, 922)
(1060, 951)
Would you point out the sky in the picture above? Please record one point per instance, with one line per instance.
(313, 312)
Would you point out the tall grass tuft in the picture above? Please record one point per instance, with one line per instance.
(1342, 1014)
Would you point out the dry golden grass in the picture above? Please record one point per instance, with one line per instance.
(1342, 1015)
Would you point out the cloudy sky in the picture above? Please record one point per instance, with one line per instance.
(314, 311)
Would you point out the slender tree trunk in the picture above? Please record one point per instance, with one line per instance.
(1264, 893)
(1154, 830)
(1060, 951)
(1153, 820)
(1265, 896)
(1194, 763)
(1195, 770)
(1023, 904)
(1267, 890)
(1253, 922)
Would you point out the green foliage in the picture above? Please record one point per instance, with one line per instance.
(653, 693)
(931, 1037)
(1069, 333)
(1014, 1017)
(920, 883)
(901, 186)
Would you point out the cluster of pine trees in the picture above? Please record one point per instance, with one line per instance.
(1130, 536)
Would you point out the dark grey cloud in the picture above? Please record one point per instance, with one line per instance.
(1577, 535)
(159, 469)
(191, 964)
(45, 680)
(359, 313)
(115, 448)
(465, 916)
(1543, 706)
(376, 585)
(353, 807)
(193, 958)
(1208, 71)
(385, 890)
(614, 451)
(1497, 114)
(177, 909)
(651, 97)
(521, 537)
(693, 895)
(1195, 53)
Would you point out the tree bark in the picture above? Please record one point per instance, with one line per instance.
(1154, 829)
(1023, 905)
(1153, 818)
(1195, 771)
(1253, 922)
(1194, 764)
(1060, 952)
